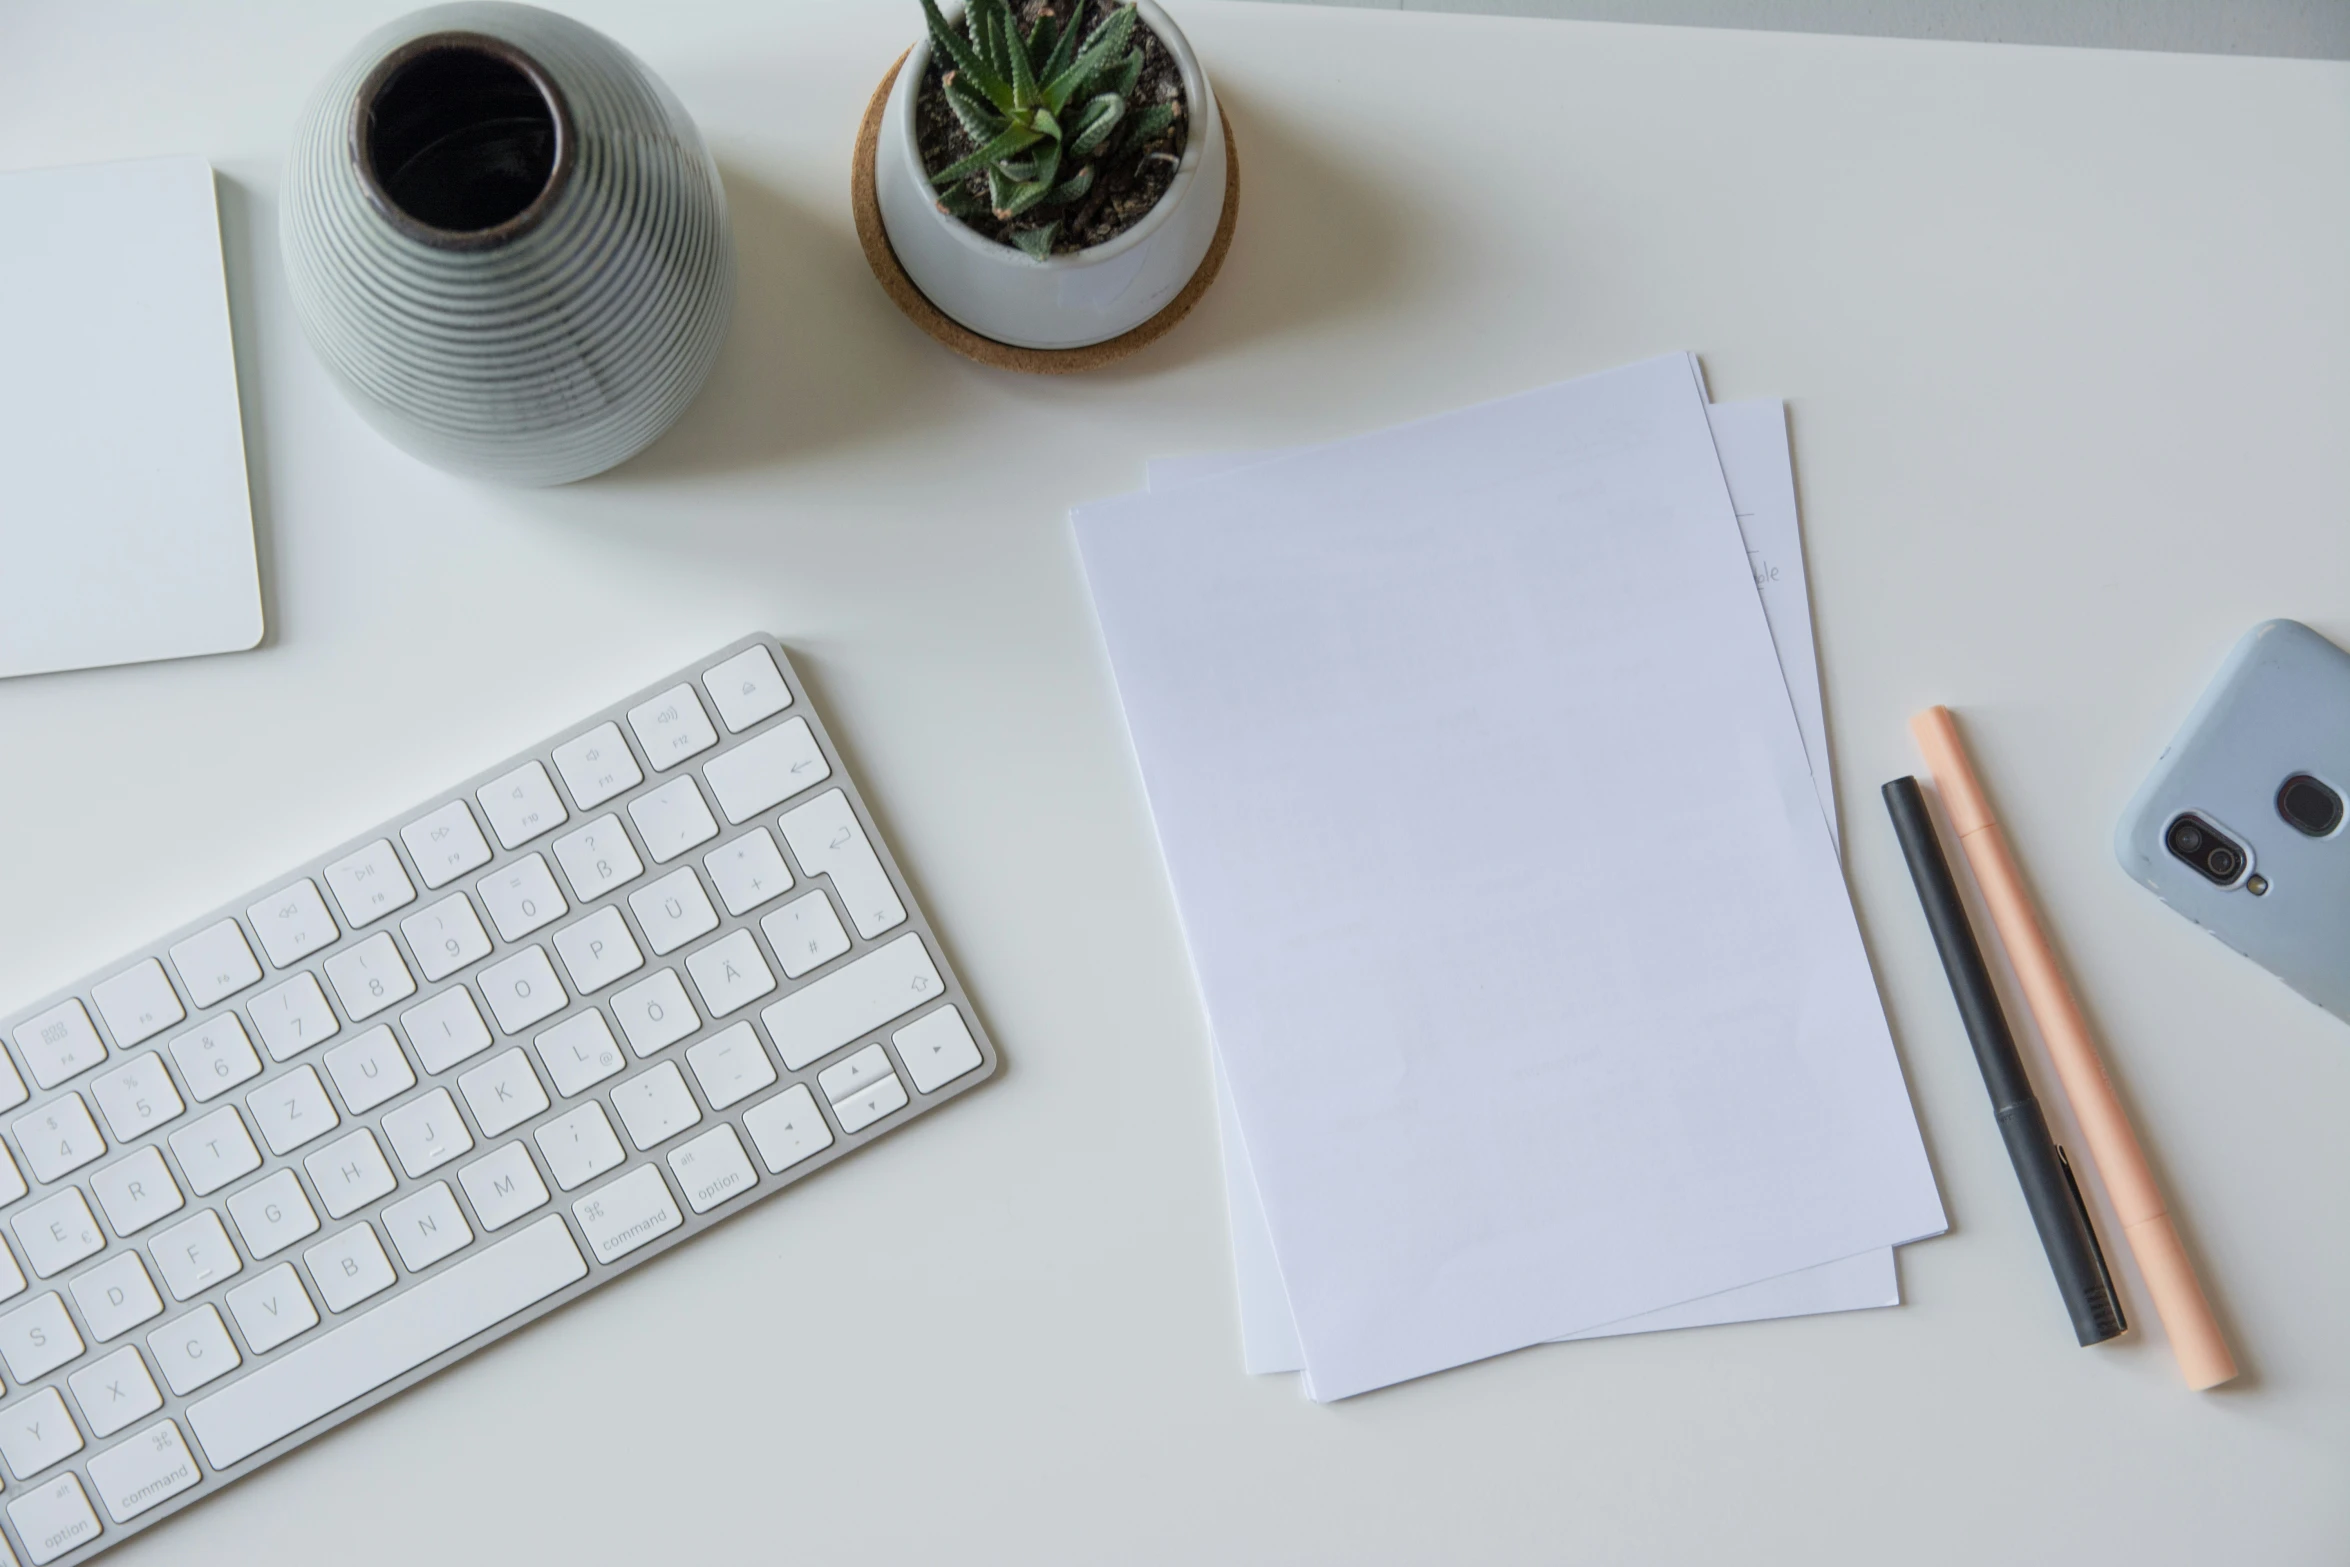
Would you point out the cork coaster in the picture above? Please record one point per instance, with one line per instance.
(1035, 361)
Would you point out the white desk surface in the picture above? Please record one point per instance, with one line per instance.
(2067, 338)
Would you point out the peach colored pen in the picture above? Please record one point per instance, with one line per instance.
(2146, 1224)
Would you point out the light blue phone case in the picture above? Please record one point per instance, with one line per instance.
(2279, 708)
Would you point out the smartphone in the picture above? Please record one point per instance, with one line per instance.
(2241, 826)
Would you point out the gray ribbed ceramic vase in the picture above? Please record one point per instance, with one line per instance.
(508, 243)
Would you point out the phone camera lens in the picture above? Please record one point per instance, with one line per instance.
(2215, 856)
(2309, 805)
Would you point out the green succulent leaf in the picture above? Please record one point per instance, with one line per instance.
(1037, 244)
(1151, 122)
(1073, 188)
(969, 69)
(1095, 121)
(1120, 78)
(979, 118)
(960, 202)
(1023, 69)
(1014, 139)
(1041, 40)
(985, 18)
(1065, 45)
(1107, 42)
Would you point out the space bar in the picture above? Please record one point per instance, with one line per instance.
(400, 1335)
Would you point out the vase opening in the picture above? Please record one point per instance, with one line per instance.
(463, 139)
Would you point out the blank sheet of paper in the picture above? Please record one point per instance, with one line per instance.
(125, 530)
(1497, 852)
(1751, 440)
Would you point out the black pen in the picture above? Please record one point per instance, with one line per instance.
(2050, 1190)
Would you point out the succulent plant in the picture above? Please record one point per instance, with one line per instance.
(1047, 113)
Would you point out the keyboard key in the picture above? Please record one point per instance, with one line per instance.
(137, 1004)
(53, 1519)
(868, 1105)
(12, 1187)
(214, 1151)
(672, 819)
(193, 1351)
(146, 1471)
(446, 937)
(862, 1070)
(427, 1227)
(787, 1129)
(445, 844)
(403, 1333)
(371, 1070)
(59, 1138)
(522, 897)
(349, 1173)
(12, 1089)
(137, 1191)
(655, 1013)
(766, 771)
(369, 977)
(36, 1433)
(730, 1066)
(671, 912)
(369, 883)
(522, 805)
(195, 1255)
(805, 933)
(292, 1110)
(427, 1132)
(272, 1309)
(56, 1233)
(671, 727)
(730, 974)
(827, 839)
(823, 1015)
(748, 871)
(503, 1186)
(38, 1337)
(215, 963)
(747, 688)
(522, 990)
(597, 766)
(292, 923)
(446, 1029)
(598, 951)
(655, 1106)
(272, 1214)
(137, 1096)
(61, 1043)
(579, 1146)
(618, 1218)
(598, 858)
(290, 1019)
(712, 1168)
(937, 1049)
(579, 1052)
(114, 1392)
(349, 1268)
(216, 1057)
(116, 1296)
(503, 1092)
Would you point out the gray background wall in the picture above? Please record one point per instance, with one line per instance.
(2313, 29)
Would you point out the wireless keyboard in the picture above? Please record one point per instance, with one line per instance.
(319, 1144)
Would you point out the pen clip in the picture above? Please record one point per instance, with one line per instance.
(2113, 1297)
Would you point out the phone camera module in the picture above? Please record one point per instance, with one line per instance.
(2214, 855)
(2309, 805)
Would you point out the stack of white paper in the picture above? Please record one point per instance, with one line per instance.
(1509, 877)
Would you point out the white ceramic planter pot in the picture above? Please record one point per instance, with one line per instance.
(1071, 301)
